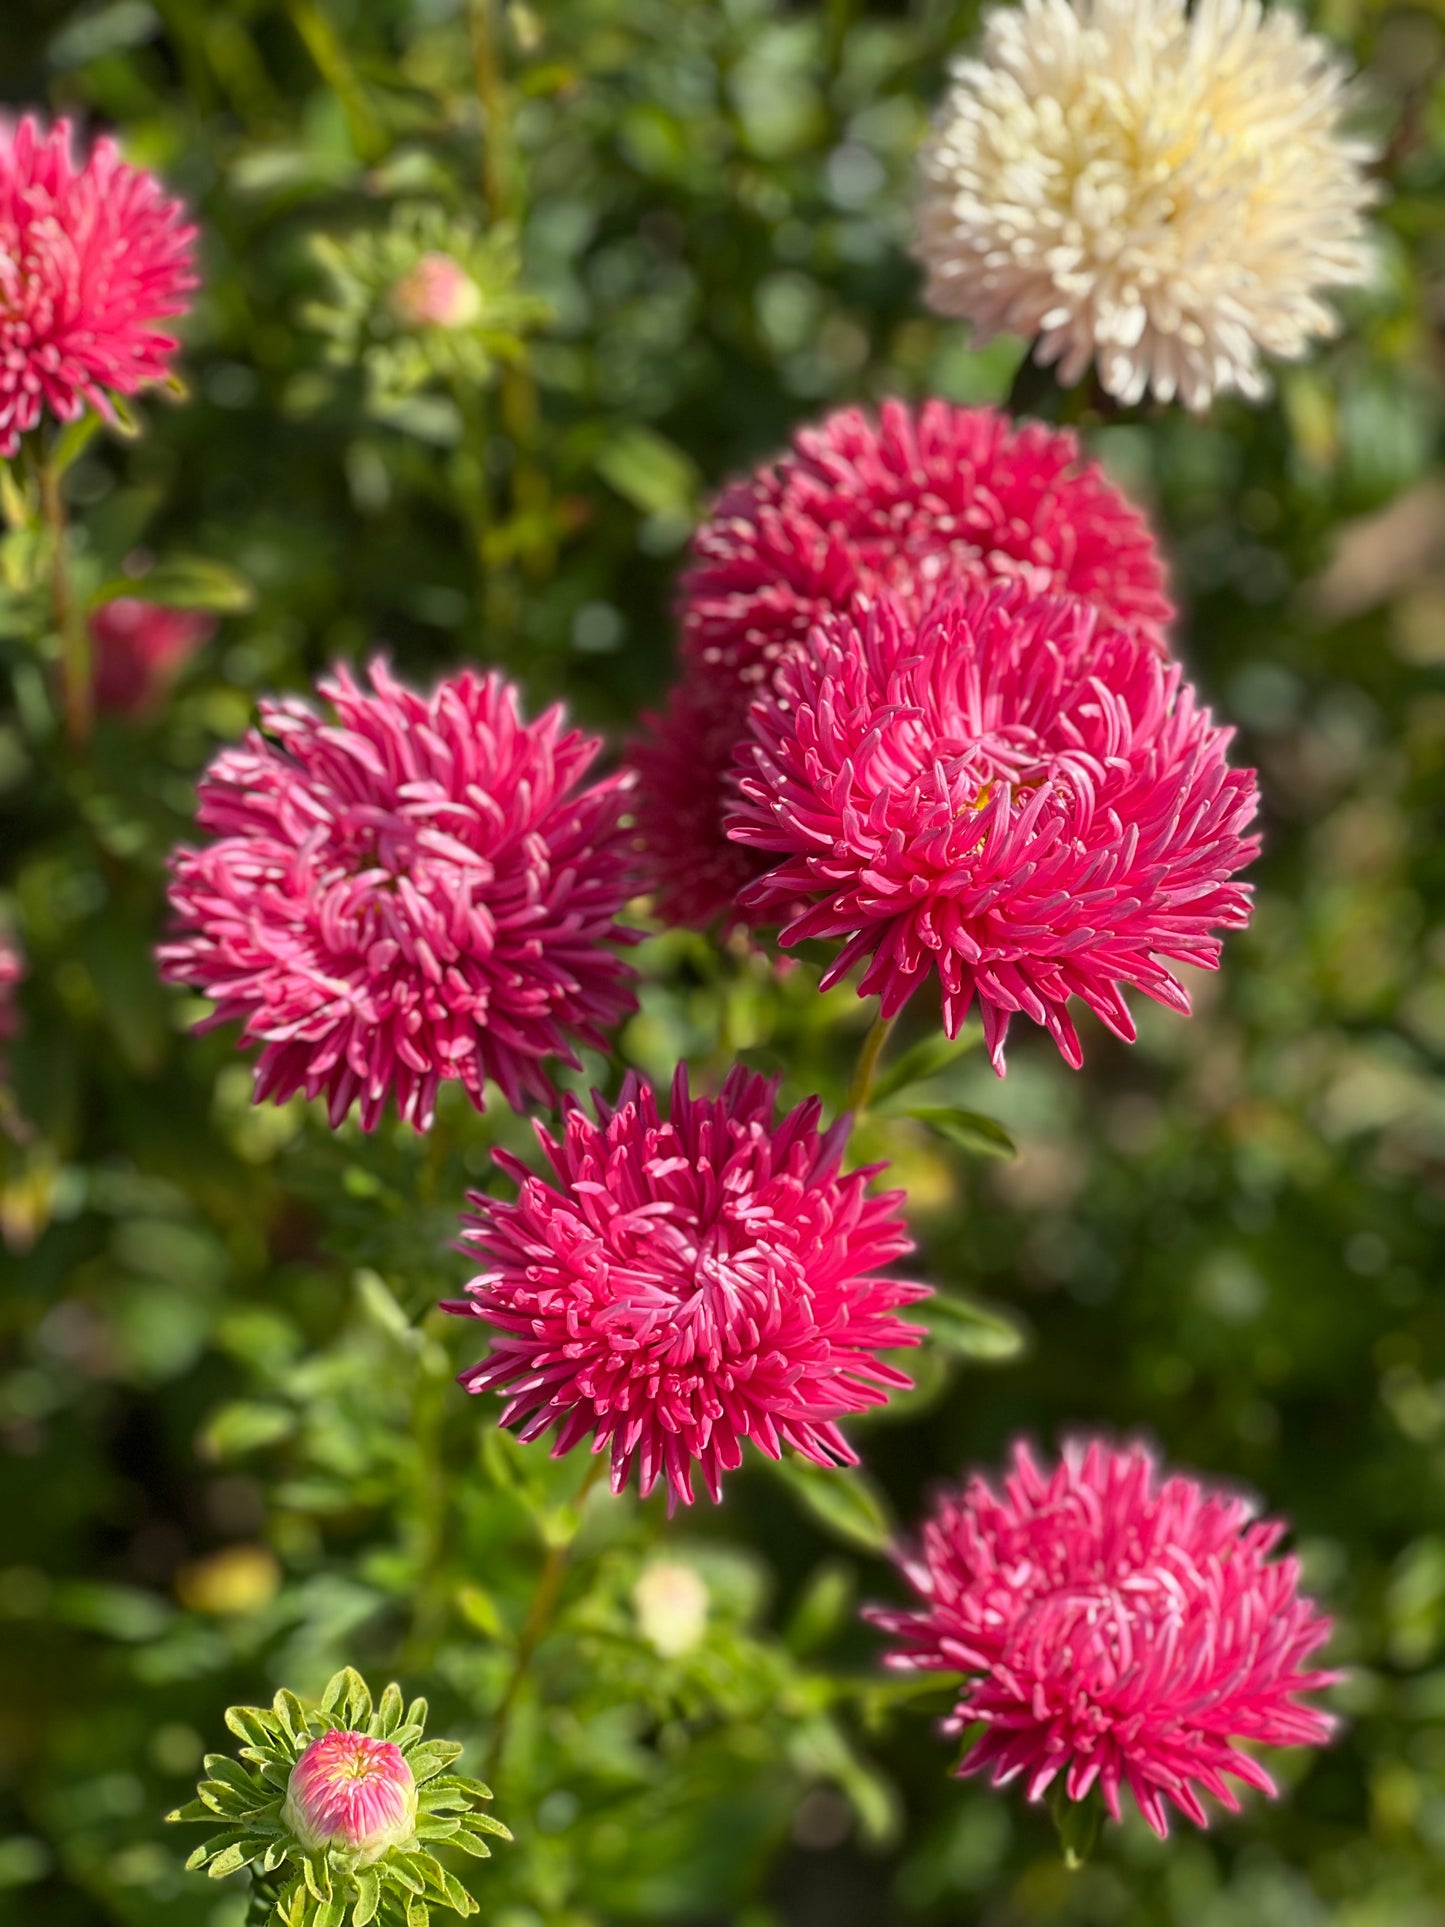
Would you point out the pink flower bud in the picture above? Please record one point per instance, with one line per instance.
(352, 1792)
(437, 293)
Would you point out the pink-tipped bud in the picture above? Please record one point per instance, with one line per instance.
(437, 293)
(351, 1792)
(140, 648)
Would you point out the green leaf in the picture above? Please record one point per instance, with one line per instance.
(251, 1724)
(923, 1060)
(1078, 1822)
(245, 1425)
(484, 1823)
(239, 1854)
(846, 1502)
(387, 1716)
(192, 1810)
(969, 1130)
(649, 471)
(968, 1329)
(72, 441)
(432, 1757)
(368, 1896)
(184, 582)
(356, 1706)
(208, 1849)
(418, 1914)
(469, 1843)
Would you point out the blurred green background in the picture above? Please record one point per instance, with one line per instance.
(230, 1453)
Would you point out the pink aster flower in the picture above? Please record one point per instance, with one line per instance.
(1119, 1628)
(353, 1792)
(1007, 793)
(689, 1283)
(418, 889)
(140, 648)
(917, 502)
(92, 256)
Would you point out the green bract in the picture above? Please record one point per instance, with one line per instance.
(328, 1886)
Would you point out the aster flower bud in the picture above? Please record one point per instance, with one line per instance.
(336, 1809)
(670, 1600)
(350, 1791)
(437, 293)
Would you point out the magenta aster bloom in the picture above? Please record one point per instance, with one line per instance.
(351, 1791)
(1119, 1628)
(916, 502)
(690, 1283)
(92, 256)
(1006, 792)
(140, 648)
(420, 889)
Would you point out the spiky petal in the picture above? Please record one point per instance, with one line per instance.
(689, 1282)
(93, 255)
(420, 889)
(1119, 1627)
(1007, 793)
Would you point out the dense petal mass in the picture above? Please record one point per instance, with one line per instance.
(420, 889)
(918, 502)
(690, 1282)
(92, 256)
(1160, 189)
(1007, 793)
(1117, 1627)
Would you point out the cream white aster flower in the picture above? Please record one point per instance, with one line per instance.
(1163, 192)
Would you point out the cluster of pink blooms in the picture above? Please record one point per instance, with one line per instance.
(140, 648)
(917, 503)
(690, 1282)
(92, 256)
(1008, 791)
(350, 1791)
(1118, 1628)
(421, 888)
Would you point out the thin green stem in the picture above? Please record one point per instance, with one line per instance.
(77, 694)
(433, 1488)
(539, 1618)
(864, 1071)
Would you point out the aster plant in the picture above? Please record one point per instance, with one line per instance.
(1115, 1627)
(94, 257)
(1168, 193)
(337, 1810)
(690, 1282)
(1011, 795)
(423, 890)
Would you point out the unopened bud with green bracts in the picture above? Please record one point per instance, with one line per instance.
(336, 1811)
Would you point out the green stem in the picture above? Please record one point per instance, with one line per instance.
(433, 1497)
(539, 1618)
(866, 1068)
(77, 690)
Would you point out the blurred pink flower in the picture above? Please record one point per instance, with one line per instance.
(12, 973)
(1119, 1627)
(917, 502)
(420, 889)
(688, 1284)
(1007, 792)
(92, 256)
(140, 648)
(437, 293)
(352, 1792)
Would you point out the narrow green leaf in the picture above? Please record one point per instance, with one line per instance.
(184, 582)
(469, 1843)
(968, 1329)
(922, 1060)
(969, 1130)
(387, 1717)
(484, 1823)
(192, 1810)
(845, 1502)
(72, 441)
(251, 1724)
(335, 1687)
(416, 1716)
(207, 1850)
